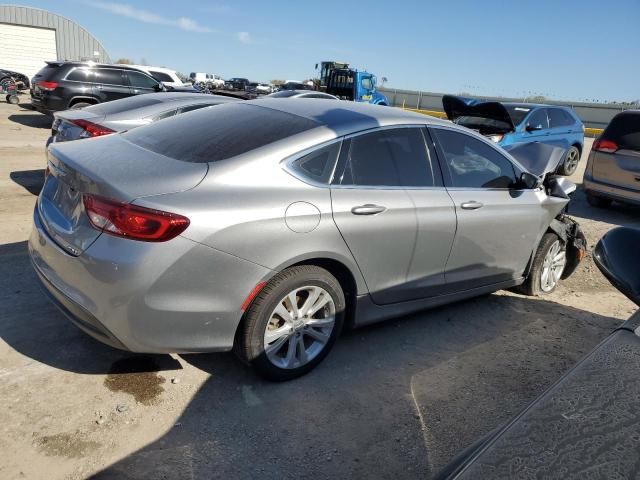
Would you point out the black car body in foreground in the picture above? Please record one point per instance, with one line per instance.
(64, 85)
(587, 425)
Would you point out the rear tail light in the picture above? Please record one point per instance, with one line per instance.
(92, 129)
(47, 86)
(132, 221)
(606, 146)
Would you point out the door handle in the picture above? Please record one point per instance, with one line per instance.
(472, 205)
(368, 209)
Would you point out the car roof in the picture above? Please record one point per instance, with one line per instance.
(345, 117)
(530, 105)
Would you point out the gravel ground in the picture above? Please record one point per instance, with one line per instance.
(396, 400)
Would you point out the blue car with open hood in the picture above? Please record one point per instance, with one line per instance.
(512, 124)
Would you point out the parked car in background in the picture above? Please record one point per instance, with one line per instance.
(302, 94)
(585, 425)
(126, 114)
(294, 85)
(168, 77)
(63, 85)
(264, 88)
(512, 123)
(22, 81)
(236, 83)
(370, 213)
(613, 168)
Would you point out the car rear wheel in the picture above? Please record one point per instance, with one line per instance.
(78, 105)
(571, 162)
(292, 323)
(548, 265)
(598, 202)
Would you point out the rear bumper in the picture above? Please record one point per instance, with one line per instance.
(48, 104)
(614, 192)
(172, 297)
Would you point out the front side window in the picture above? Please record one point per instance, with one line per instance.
(538, 119)
(394, 157)
(472, 163)
(109, 76)
(140, 80)
(366, 84)
(317, 165)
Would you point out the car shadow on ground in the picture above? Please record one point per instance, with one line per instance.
(367, 411)
(35, 120)
(31, 180)
(617, 213)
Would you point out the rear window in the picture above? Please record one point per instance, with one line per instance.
(284, 94)
(624, 129)
(119, 106)
(219, 133)
(49, 71)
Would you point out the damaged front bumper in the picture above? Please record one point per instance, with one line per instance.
(574, 239)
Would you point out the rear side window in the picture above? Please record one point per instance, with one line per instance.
(538, 119)
(317, 165)
(109, 76)
(395, 157)
(624, 130)
(161, 76)
(559, 118)
(214, 134)
(81, 75)
(472, 163)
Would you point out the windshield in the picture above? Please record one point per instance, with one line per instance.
(517, 113)
(284, 94)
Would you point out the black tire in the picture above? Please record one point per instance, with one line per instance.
(249, 345)
(78, 105)
(12, 99)
(532, 284)
(598, 202)
(571, 162)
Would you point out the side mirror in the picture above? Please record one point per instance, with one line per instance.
(533, 128)
(615, 256)
(159, 87)
(529, 180)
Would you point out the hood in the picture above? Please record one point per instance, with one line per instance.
(539, 158)
(456, 107)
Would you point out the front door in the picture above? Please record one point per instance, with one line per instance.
(499, 222)
(536, 126)
(141, 83)
(110, 84)
(376, 214)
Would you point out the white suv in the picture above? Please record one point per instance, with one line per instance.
(165, 75)
(209, 79)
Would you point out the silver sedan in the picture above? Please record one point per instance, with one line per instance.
(330, 214)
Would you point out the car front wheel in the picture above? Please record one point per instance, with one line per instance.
(547, 268)
(292, 323)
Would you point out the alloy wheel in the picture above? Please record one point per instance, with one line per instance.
(552, 267)
(299, 327)
(571, 163)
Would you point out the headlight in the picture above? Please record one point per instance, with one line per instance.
(496, 138)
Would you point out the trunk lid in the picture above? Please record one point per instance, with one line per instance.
(487, 117)
(63, 129)
(115, 169)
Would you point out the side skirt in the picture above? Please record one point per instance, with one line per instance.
(368, 312)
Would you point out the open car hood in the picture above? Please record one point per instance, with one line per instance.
(456, 107)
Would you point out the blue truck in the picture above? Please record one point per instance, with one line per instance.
(347, 83)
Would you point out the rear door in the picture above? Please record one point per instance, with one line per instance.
(622, 167)
(376, 215)
(141, 82)
(562, 126)
(499, 223)
(110, 84)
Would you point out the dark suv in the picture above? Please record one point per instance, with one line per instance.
(64, 85)
(236, 83)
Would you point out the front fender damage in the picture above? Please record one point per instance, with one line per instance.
(574, 239)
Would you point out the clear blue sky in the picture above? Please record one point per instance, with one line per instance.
(571, 49)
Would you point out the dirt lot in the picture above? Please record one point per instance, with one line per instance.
(396, 400)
